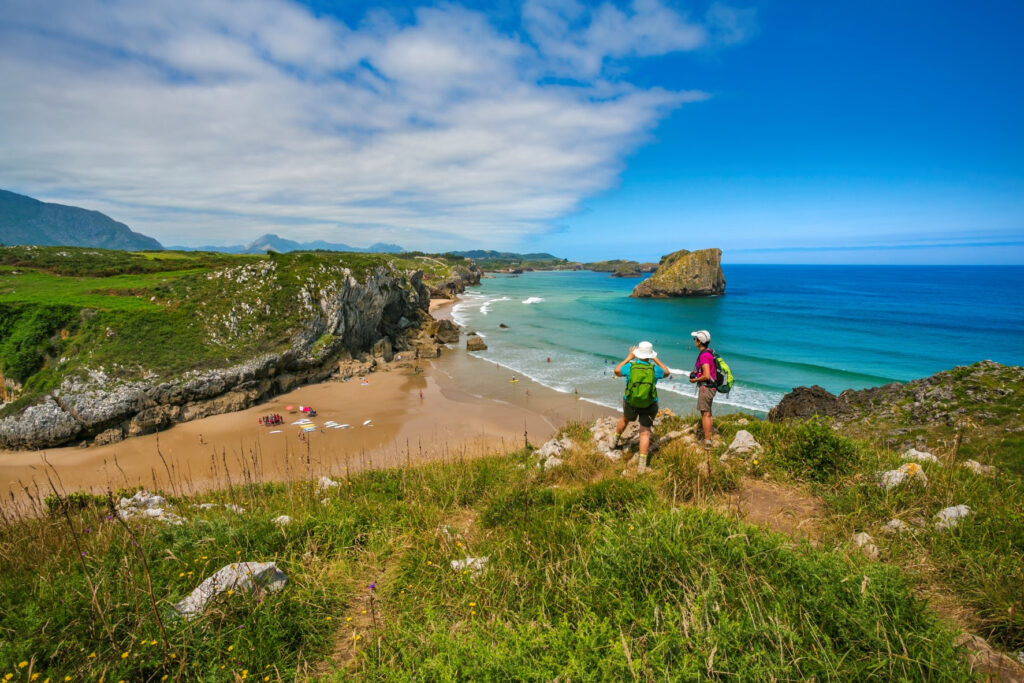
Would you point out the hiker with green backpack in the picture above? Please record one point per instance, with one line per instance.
(642, 370)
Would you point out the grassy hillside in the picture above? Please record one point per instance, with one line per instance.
(589, 576)
(157, 314)
(592, 573)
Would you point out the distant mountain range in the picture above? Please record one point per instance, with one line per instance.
(24, 220)
(271, 242)
(488, 254)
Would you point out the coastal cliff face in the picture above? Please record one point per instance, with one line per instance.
(336, 322)
(684, 273)
(461, 277)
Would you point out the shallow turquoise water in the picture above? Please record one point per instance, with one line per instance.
(778, 326)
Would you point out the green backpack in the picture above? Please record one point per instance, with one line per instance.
(640, 391)
(723, 374)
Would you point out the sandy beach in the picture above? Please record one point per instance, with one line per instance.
(453, 407)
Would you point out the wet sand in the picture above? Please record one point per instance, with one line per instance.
(468, 408)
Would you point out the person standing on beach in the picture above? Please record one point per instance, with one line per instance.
(704, 376)
(642, 370)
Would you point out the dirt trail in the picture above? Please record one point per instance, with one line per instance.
(793, 511)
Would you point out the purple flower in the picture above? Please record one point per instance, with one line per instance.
(87, 529)
(373, 585)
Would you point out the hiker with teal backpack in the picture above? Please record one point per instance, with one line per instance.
(711, 375)
(642, 370)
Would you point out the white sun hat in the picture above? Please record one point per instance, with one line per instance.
(703, 336)
(645, 351)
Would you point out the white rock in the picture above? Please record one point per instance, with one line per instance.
(326, 483)
(472, 564)
(919, 456)
(896, 526)
(910, 471)
(978, 468)
(744, 444)
(553, 447)
(242, 577)
(951, 516)
(283, 520)
(147, 505)
(866, 545)
(553, 462)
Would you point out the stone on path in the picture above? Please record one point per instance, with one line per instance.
(744, 444)
(242, 577)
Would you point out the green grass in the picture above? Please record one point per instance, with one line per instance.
(604, 579)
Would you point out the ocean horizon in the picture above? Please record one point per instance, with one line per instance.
(778, 326)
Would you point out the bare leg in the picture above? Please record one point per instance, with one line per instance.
(705, 420)
(645, 439)
(622, 425)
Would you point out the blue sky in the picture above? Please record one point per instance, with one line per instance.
(782, 132)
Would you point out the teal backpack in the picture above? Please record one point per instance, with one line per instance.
(640, 391)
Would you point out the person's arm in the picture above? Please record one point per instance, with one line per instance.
(618, 368)
(668, 373)
(705, 373)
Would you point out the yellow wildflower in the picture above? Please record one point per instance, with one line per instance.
(230, 592)
(124, 655)
(364, 611)
(472, 612)
(472, 604)
(230, 648)
(181, 575)
(152, 642)
(92, 655)
(328, 618)
(35, 676)
(22, 664)
(8, 676)
(67, 678)
(164, 677)
(266, 678)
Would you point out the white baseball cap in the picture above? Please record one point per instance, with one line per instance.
(645, 351)
(703, 336)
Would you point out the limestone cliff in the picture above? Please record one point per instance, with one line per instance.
(343, 321)
(685, 273)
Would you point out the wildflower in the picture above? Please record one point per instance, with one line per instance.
(472, 612)
(266, 678)
(22, 664)
(373, 586)
(630, 527)
(67, 678)
(92, 655)
(328, 618)
(164, 677)
(472, 604)
(230, 648)
(429, 563)
(35, 676)
(190, 574)
(402, 592)
(152, 642)
(124, 655)
(245, 672)
(238, 552)
(348, 618)
(174, 655)
(755, 461)
(181, 575)
(8, 677)
(205, 557)
(230, 592)
(359, 637)
(458, 544)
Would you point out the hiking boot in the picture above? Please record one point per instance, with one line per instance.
(707, 444)
(641, 464)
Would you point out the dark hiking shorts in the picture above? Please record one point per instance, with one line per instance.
(646, 415)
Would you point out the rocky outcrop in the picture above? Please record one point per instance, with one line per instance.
(348, 320)
(684, 273)
(804, 402)
(475, 343)
(456, 283)
(939, 399)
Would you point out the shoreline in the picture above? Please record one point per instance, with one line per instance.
(467, 409)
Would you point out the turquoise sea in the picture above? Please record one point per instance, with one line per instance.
(778, 327)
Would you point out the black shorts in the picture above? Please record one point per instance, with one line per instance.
(646, 415)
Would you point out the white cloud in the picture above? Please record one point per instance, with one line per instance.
(214, 122)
